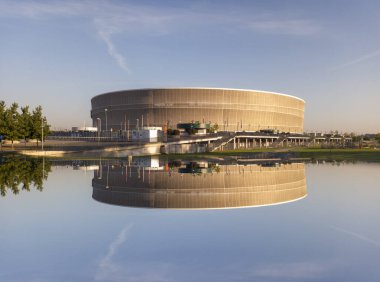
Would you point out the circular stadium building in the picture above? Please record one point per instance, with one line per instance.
(230, 109)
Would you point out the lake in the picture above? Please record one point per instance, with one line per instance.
(151, 219)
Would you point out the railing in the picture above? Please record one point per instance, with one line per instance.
(280, 140)
(226, 138)
(87, 139)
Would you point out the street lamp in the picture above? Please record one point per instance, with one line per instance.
(42, 133)
(128, 131)
(99, 127)
(105, 111)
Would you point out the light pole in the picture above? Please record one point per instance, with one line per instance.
(99, 127)
(128, 131)
(125, 123)
(105, 111)
(42, 134)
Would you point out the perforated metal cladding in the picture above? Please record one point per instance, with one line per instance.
(231, 109)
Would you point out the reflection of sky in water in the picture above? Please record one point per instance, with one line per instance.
(62, 234)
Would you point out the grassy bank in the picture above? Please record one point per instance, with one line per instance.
(367, 155)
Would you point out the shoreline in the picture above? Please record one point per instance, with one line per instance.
(369, 155)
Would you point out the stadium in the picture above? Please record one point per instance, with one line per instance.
(230, 109)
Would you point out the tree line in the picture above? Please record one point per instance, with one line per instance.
(21, 123)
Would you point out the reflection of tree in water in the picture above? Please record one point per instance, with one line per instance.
(20, 172)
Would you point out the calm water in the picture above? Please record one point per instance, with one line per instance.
(150, 220)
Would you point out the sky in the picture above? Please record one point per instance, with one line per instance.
(59, 54)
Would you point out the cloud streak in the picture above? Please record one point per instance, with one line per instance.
(112, 19)
(361, 59)
(299, 270)
(291, 27)
(108, 19)
(358, 236)
(113, 52)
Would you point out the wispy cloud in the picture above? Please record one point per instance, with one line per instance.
(114, 53)
(358, 236)
(108, 18)
(285, 26)
(360, 59)
(39, 10)
(112, 19)
(297, 270)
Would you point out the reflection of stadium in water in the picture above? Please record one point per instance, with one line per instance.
(199, 185)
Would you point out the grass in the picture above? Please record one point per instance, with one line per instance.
(367, 155)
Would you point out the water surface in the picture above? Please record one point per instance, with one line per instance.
(151, 220)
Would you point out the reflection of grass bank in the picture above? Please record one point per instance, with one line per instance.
(317, 154)
(369, 155)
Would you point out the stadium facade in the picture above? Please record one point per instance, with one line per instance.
(230, 109)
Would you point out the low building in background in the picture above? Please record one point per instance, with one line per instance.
(150, 134)
(84, 129)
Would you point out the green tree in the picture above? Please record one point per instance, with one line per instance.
(357, 138)
(2, 121)
(3, 109)
(214, 128)
(25, 123)
(15, 125)
(377, 137)
(36, 126)
(36, 123)
(11, 123)
(46, 128)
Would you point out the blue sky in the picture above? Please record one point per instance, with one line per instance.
(59, 54)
